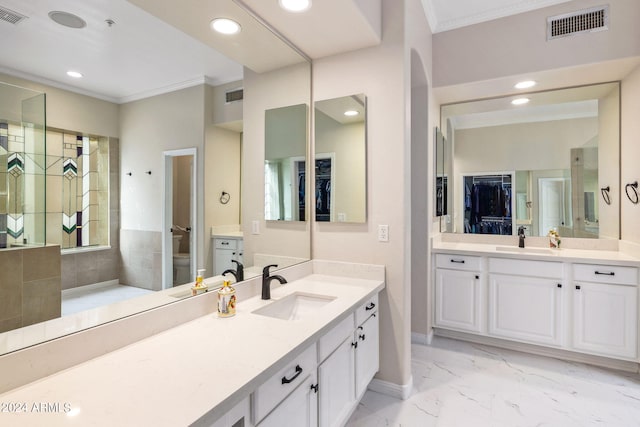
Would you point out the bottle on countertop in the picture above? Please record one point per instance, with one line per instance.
(226, 300)
(199, 286)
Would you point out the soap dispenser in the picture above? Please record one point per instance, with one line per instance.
(199, 286)
(226, 300)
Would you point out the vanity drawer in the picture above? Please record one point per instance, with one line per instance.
(366, 310)
(551, 270)
(276, 388)
(606, 274)
(458, 262)
(332, 339)
(226, 243)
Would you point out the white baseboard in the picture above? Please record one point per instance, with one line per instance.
(424, 339)
(392, 389)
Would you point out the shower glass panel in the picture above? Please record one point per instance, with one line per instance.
(22, 166)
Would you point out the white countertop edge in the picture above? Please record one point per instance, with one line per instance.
(561, 255)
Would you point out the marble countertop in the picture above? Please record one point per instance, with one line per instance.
(227, 235)
(537, 253)
(181, 374)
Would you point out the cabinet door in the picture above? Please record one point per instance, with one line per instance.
(222, 260)
(236, 417)
(336, 382)
(299, 409)
(367, 353)
(606, 319)
(525, 308)
(458, 299)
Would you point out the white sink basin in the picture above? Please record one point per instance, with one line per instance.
(539, 251)
(295, 306)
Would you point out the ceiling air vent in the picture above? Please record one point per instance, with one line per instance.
(10, 16)
(582, 21)
(234, 95)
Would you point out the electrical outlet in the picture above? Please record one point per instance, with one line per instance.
(383, 233)
(255, 227)
(342, 217)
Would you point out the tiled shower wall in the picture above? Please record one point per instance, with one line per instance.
(88, 267)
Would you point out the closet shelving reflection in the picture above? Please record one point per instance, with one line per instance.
(488, 204)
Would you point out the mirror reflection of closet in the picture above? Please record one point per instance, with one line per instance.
(563, 147)
(341, 159)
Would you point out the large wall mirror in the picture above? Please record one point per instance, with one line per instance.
(548, 161)
(224, 120)
(341, 159)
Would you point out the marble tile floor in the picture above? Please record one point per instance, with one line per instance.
(459, 384)
(88, 297)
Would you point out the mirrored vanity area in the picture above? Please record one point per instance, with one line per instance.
(529, 198)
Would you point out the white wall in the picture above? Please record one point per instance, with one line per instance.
(149, 127)
(608, 165)
(630, 171)
(275, 89)
(381, 73)
(517, 44)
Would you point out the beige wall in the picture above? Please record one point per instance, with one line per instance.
(222, 173)
(149, 127)
(72, 111)
(517, 44)
(279, 88)
(630, 171)
(608, 164)
(363, 71)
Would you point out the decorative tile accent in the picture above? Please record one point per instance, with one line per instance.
(70, 169)
(69, 223)
(15, 164)
(15, 225)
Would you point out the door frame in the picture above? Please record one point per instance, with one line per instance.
(167, 214)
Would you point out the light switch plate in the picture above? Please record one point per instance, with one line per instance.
(383, 233)
(255, 227)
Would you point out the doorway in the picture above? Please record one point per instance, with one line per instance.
(551, 193)
(179, 232)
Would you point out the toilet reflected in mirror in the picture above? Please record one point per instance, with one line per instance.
(181, 262)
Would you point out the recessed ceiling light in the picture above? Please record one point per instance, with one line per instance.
(67, 19)
(351, 113)
(295, 5)
(526, 84)
(74, 74)
(225, 26)
(520, 101)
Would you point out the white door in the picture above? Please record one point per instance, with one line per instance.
(458, 299)
(606, 319)
(551, 204)
(336, 379)
(525, 308)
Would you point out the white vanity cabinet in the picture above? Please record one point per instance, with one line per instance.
(225, 250)
(458, 290)
(299, 409)
(605, 310)
(525, 300)
(239, 416)
(344, 375)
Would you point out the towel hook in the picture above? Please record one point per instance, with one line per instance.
(634, 189)
(605, 194)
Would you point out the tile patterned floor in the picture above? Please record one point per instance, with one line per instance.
(458, 384)
(86, 299)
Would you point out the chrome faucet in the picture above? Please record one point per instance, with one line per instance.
(238, 273)
(266, 281)
(521, 236)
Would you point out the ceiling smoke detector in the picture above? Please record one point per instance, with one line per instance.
(67, 19)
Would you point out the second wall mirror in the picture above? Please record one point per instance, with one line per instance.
(340, 190)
